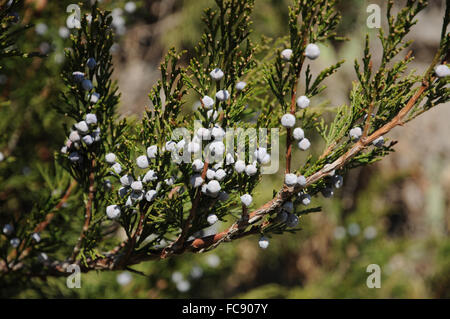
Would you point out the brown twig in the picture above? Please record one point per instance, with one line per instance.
(88, 216)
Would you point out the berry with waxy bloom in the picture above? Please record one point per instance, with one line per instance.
(113, 211)
(304, 144)
(142, 161)
(251, 170)
(123, 191)
(212, 219)
(301, 180)
(220, 175)
(303, 102)
(204, 134)
(110, 158)
(74, 157)
(212, 115)
(171, 146)
(282, 217)
(378, 142)
(82, 127)
(288, 206)
(150, 195)
(8, 229)
(149, 176)
(207, 102)
(152, 151)
(217, 148)
(292, 220)
(197, 165)
(247, 199)
(305, 199)
(74, 136)
(312, 51)
(36, 237)
(355, 133)
(42, 257)
(241, 85)
(117, 168)
(286, 54)
(137, 186)
(263, 242)
(217, 132)
(2, 157)
(290, 179)
(193, 147)
(78, 76)
(288, 120)
(91, 63)
(213, 187)
(260, 154)
(216, 74)
(91, 118)
(87, 85)
(229, 159)
(94, 98)
(222, 95)
(210, 174)
(88, 140)
(239, 166)
(298, 134)
(442, 70)
(196, 180)
(126, 180)
(15, 242)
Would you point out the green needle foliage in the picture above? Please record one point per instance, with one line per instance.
(164, 179)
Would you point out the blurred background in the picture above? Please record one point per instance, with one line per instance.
(395, 213)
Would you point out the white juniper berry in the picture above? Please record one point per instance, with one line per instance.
(110, 158)
(304, 144)
(216, 74)
(74, 136)
(247, 199)
(36, 237)
(210, 174)
(142, 161)
(290, 179)
(94, 97)
(152, 151)
(298, 134)
(303, 102)
(239, 166)
(229, 159)
(442, 70)
(91, 119)
(170, 146)
(193, 147)
(207, 102)
(88, 140)
(217, 148)
(305, 199)
(355, 133)
(301, 180)
(113, 211)
(212, 115)
(212, 219)
(117, 168)
(220, 175)
(82, 127)
(169, 181)
(312, 51)
(240, 85)
(251, 169)
(217, 132)
(378, 142)
(123, 191)
(213, 187)
(150, 176)
(222, 95)
(196, 180)
(197, 165)
(288, 120)
(204, 134)
(150, 195)
(126, 180)
(2, 157)
(136, 186)
(263, 242)
(286, 54)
